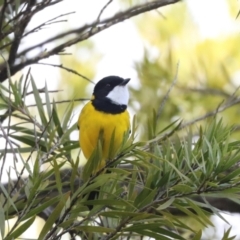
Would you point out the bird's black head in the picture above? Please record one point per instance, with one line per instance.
(111, 94)
(107, 84)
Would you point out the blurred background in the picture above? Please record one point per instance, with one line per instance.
(202, 36)
(195, 41)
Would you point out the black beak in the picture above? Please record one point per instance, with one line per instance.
(124, 82)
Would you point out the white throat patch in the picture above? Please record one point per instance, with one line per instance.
(119, 95)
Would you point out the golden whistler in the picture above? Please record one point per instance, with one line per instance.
(105, 115)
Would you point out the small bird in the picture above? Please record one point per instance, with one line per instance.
(105, 116)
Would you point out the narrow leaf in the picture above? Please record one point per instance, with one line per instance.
(54, 216)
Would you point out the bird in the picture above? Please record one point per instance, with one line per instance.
(105, 116)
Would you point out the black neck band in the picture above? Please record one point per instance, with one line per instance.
(107, 106)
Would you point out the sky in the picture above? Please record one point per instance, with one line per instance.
(212, 22)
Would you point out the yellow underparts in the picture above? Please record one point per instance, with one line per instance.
(93, 123)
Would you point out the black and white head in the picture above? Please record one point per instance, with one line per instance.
(114, 88)
(111, 94)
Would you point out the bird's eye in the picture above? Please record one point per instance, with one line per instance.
(108, 85)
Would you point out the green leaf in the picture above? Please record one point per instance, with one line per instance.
(20, 230)
(93, 162)
(56, 120)
(169, 126)
(19, 129)
(57, 176)
(16, 93)
(54, 216)
(231, 176)
(31, 141)
(5, 192)
(48, 105)
(199, 211)
(190, 213)
(151, 229)
(74, 173)
(67, 116)
(198, 235)
(71, 145)
(41, 207)
(182, 188)
(70, 221)
(167, 204)
(98, 182)
(145, 197)
(39, 103)
(227, 233)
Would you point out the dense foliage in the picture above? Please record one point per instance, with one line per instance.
(176, 170)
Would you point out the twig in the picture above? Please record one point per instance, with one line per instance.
(42, 90)
(62, 101)
(8, 130)
(102, 10)
(67, 69)
(161, 14)
(25, 83)
(18, 34)
(212, 113)
(49, 22)
(160, 109)
(8, 141)
(206, 91)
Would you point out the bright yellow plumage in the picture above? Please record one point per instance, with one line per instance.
(92, 122)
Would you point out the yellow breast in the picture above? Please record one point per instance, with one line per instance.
(91, 122)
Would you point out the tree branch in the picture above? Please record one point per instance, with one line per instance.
(18, 33)
(81, 33)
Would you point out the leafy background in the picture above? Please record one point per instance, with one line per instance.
(172, 172)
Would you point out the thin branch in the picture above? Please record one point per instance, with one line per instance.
(42, 90)
(62, 101)
(82, 33)
(37, 7)
(167, 94)
(67, 69)
(206, 91)
(103, 9)
(8, 141)
(212, 113)
(47, 23)
(26, 83)
(119, 17)
(19, 30)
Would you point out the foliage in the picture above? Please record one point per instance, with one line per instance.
(176, 170)
(208, 67)
(162, 176)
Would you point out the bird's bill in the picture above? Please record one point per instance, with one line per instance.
(124, 82)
